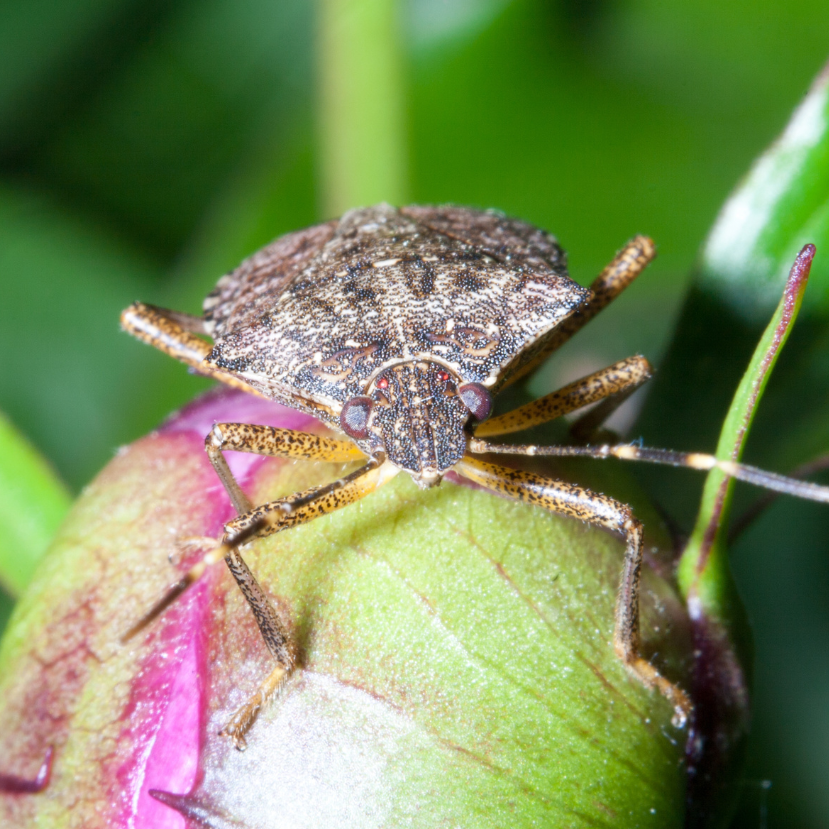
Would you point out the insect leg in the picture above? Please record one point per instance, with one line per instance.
(625, 267)
(216, 553)
(279, 515)
(628, 263)
(277, 641)
(689, 460)
(597, 509)
(612, 385)
(267, 440)
(173, 333)
(590, 423)
(271, 518)
(263, 440)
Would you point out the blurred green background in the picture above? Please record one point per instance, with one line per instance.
(146, 147)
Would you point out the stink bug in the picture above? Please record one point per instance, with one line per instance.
(397, 327)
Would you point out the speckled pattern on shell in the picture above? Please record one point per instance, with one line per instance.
(318, 313)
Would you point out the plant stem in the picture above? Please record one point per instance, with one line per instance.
(361, 105)
(703, 569)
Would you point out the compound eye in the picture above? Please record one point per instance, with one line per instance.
(477, 399)
(354, 417)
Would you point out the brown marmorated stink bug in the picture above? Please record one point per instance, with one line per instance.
(397, 327)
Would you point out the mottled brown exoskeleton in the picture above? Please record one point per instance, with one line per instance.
(397, 328)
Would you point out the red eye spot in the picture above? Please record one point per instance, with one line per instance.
(382, 383)
(443, 376)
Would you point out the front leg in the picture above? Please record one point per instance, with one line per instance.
(277, 641)
(270, 518)
(174, 333)
(272, 442)
(264, 520)
(601, 511)
(273, 517)
(262, 440)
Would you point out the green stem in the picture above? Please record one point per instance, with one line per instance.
(362, 135)
(703, 573)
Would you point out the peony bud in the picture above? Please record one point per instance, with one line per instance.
(456, 665)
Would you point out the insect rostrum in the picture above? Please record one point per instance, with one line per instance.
(397, 327)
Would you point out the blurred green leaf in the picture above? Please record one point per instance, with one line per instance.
(32, 504)
(65, 361)
(708, 55)
(781, 205)
(41, 44)
(160, 137)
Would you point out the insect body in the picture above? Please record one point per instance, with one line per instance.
(397, 328)
(388, 323)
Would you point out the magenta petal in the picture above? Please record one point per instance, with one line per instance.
(139, 708)
(167, 706)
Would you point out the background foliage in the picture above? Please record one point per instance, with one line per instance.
(146, 147)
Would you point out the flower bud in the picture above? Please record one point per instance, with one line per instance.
(455, 659)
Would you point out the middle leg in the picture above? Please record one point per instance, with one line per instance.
(611, 386)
